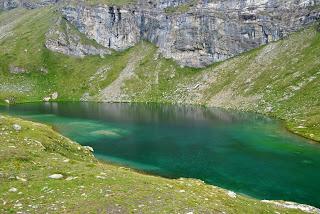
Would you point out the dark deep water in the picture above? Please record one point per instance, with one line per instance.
(243, 152)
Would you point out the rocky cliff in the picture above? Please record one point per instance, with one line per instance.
(193, 33)
(29, 4)
(63, 38)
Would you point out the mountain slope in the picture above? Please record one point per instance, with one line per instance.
(281, 79)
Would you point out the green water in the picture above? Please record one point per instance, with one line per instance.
(243, 152)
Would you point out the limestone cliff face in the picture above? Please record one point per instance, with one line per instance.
(29, 4)
(62, 38)
(194, 33)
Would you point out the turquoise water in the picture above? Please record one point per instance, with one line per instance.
(243, 152)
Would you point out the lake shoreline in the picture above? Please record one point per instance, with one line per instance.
(273, 116)
(175, 184)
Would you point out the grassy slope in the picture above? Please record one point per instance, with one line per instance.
(68, 75)
(281, 79)
(29, 156)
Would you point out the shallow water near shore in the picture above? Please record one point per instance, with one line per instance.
(244, 152)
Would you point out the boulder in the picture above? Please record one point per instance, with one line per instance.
(16, 127)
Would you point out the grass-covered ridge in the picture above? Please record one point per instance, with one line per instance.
(30, 155)
(280, 79)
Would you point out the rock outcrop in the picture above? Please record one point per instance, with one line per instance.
(29, 4)
(62, 38)
(194, 34)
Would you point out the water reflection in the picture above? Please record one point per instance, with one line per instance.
(245, 152)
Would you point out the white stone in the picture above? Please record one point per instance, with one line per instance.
(89, 148)
(269, 109)
(71, 178)
(18, 205)
(301, 127)
(16, 127)
(54, 95)
(232, 194)
(13, 189)
(21, 179)
(46, 99)
(56, 176)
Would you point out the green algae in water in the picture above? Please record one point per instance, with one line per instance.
(243, 152)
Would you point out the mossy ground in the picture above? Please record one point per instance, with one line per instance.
(281, 79)
(28, 157)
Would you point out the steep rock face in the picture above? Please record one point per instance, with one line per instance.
(29, 4)
(9, 4)
(110, 26)
(64, 39)
(205, 32)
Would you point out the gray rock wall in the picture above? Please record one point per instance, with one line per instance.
(62, 38)
(207, 32)
(194, 33)
(29, 4)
